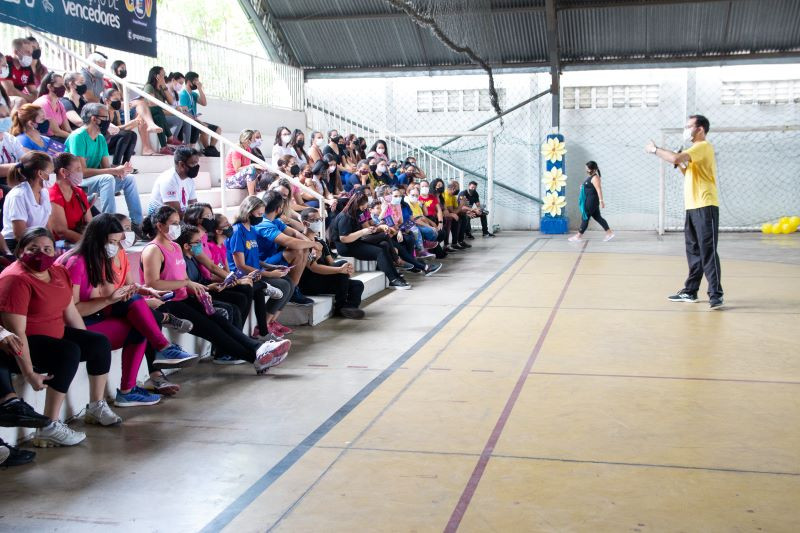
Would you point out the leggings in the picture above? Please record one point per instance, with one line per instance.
(241, 297)
(406, 251)
(371, 252)
(346, 292)
(160, 120)
(224, 336)
(60, 358)
(122, 145)
(263, 306)
(129, 325)
(592, 207)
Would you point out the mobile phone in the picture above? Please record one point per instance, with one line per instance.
(167, 297)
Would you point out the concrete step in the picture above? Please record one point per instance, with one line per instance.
(157, 164)
(208, 196)
(146, 180)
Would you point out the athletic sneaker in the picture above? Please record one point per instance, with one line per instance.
(270, 354)
(279, 329)
(16, 413)
(173, 356)
(399, 284)
(425, 255)
(300, 299)
(450, 249)
(14, 456)
(575, 238)
(470, 236)
(161, 385)
(273, 292)
(609, 237)
(433, 268)
(57, 434)
(716, 303)
(101, 414)
(178, 324)
(351, 312)
(136, 396)
(408, 267)
(465, 244)
(228, 360)
(683, 296)
(488, 234)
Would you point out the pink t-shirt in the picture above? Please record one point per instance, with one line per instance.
(203, 270)
(173, 269)
(218, 253)
(232, 157)
(55, 114)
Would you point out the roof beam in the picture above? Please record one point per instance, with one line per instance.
(555, 60)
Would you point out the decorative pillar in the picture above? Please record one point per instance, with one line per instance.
(554, 220)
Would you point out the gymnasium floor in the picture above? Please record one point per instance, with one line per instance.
(535, 385)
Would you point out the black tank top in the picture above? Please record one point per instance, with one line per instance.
(588, 187)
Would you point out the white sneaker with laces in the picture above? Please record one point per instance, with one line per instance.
(274, 293)
(100, 413)
(57, 434)
(609, 237)
(575, 238)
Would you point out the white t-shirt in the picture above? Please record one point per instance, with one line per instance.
(169, 187)
(280, 151)
(21, 205)
(11, 150)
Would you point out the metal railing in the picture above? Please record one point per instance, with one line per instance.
(227, 74)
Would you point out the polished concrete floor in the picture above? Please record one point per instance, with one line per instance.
(534, 385)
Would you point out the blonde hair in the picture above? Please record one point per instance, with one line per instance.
(246, 208)
(245, 136)
(22, 116)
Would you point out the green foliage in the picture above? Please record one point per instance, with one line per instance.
(218, 21)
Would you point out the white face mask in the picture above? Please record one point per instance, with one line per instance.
(412, 199)
(26, 61)
(255, 144)
(130, 238)
(75, 178)
(319, 142)
(50, 181)
(424, 191)
(332, 168)
(687, 135)
(174, 231)
(315, 226)
(111, 250)
(380, 150)
(381, 169)
(285, 139)
(396, 200)
(178, 87)
(4, 72)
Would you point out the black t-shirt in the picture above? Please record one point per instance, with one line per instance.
(69, 106)
(471, 197)
(342, 225)
(326, 252)
(328, 150)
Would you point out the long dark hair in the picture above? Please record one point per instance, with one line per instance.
(153, 74)
(591, 165)
(351, 208)
(49, 79)
(92, 248)
(434, 184)
(194, 214)
(385, 147)
(278, 134)
(149, 228)
(299, 150)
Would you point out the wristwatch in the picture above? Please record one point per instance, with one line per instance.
(655, 149)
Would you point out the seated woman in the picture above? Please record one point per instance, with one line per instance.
(243, 255)
(288, 165)
(110, 305)
(36, 305)
(379, 151)
(241, 172)
(28, 203)
(298, 143)
(51, 90)
(156, 87)
(29, 125)
(326, 276)
(282, 145)
(386, 222)
(164, 269)
(353, 240)
(121, 138)
(71, 210)
(180, 130)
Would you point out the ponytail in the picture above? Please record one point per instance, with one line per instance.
(27, 167)
(591, 165)
(149, 224)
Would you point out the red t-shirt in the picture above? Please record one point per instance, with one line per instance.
(429, 204)
(74, 209)
(21, 76)
(43, 303)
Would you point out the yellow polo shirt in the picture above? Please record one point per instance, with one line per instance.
(700, 180)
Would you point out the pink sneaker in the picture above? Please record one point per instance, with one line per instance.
(271, 353)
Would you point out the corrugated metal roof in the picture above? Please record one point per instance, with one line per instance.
(371, 34)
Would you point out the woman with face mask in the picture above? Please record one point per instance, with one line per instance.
(28, 203)
(121, 139)
(591, 201)
(39, 70)
(51, 90)
(241, 172)
(114, 307)
(298, 144)
(156, 87)
(315, 147)
(29, 125)
(379, 151)
(71, 211)
(73, 101)
(283, 144)
(36, 305)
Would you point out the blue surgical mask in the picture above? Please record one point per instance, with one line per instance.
(5, 124)
(197, 248)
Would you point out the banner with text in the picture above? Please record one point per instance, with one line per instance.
(128, 25)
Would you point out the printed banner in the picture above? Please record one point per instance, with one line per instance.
(128, 25)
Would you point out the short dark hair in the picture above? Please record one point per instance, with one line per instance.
(701, 122)
(183, 153)
(191, 76)
(63, 160)
(475, 183)
(30, 235)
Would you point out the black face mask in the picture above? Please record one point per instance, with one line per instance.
(255, 221)
(209, 224)
(341, 148)
(294, 170)
(373, 168)
(116, 105)
(81, 89)
(193, 86)
(44, 127)
(122, 73)
(192, 172)
(392, 169)
(440, 189)
(36, 54)
(104, 126)
(300, 143)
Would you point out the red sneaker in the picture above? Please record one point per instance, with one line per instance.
(174, 142)
(285, 330)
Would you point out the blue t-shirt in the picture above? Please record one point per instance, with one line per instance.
(406, 210)
(245, 241)
(267, 231)
(189, 99)
(351, 181)
(53, 148)
(402, 179)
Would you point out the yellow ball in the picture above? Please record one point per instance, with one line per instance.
(766, 228)
(786, 228)
(784, 220)
(776, 228)
(794, 221)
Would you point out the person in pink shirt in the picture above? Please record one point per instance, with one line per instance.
(240, 171)
(50, 91)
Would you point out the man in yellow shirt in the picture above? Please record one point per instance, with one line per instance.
(701, 229)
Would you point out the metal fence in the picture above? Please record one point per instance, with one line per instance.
(227, 74)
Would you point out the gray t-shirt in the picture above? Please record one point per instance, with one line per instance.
(93, 83)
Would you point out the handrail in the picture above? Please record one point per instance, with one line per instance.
(166, 107)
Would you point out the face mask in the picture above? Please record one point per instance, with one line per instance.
(373, 168)
(687, 135)
(37, 261)
(37, 54)
(104, 126)
(285, 139)
(5, 124)
(4, 72)
(331, 168)
(59, 91)
(26, 61)
(440, 189)
(392, 168)
(396, 200)
(315, 226)
(116, 105)
(364, 171)
(192, 172)
(455, 192)
(81, 89)
(209, 224)
(295, 170)
(122, 73)
(341, 147)
(380, 170)
(50, 181)
(381, 150)
(130, 238)
(227, 232)
(196, 249)
(43, 127)
(75, 178)
(255, 144)
(174, 232)
(111, 250)
(424, 191)
(255, 221)
(178, 87)
(300, 143)
(319, 142)
(412, 199)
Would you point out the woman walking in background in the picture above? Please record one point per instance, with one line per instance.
(591, 200)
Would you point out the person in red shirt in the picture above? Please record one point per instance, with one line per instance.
(432, 208)
(20, 80)
(36, 305)
(72, 210)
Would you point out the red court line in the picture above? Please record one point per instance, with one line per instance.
(483, 460)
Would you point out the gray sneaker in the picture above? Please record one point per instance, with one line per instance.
(101, 414)
(57, 434)
(274, 293)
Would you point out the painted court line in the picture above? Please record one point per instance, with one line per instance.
(227, 515)
(678, 378)
(477, 474)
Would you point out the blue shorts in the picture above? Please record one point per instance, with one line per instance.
(276, 259)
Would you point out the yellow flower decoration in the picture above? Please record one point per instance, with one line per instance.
(554, 179)
(553, 149)
(553, 204)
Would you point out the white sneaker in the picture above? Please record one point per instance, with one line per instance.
(274, 293)
(609, 237)
(57, 434)
(4, 453)
(271, 353)
(100, 413)
(575, 238)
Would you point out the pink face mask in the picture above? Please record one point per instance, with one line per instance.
(37, 261)
(75, 178)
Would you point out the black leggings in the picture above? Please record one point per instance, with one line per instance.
(380, 252)
(346, 292)
(406, 251)
(592, 206)
(225, 337)
(60, 358)
(241, 298)
(122, 145)
(263, 305)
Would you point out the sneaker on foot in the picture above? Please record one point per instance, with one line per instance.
(450, 249)
(399, 284)
(426, 255)
(178, 324)
(280, 328)
(488, 234)
(716, 304)
(575, 238)
(274, 293)
(351, 312)
(228, 360)
(408, 267)
(433, 268)
(683, 296)
(464, 245)
(136, 396)
(57, 434)
(270, 354)
(470, 236)
(173, 356)
(161, 385)
(300, 299)
(609, 237)
(14, 456)
(16, 413)
(101, 414)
